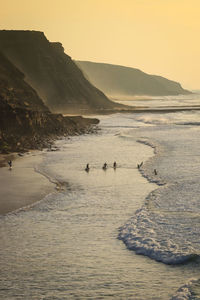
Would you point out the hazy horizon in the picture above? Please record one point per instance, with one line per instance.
(154, 36)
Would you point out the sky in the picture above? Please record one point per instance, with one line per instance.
(156, 36)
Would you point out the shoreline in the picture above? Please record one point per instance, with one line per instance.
(23, 185)
(10, 200)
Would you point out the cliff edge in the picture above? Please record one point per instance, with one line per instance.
(52, 73)
(116, 80)
(25, 121)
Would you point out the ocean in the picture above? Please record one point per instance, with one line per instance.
(113, 234)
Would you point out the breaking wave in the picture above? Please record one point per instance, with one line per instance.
(166, 228)
(140, 235)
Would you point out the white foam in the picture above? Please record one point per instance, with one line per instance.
(142, 235)
(184, 292)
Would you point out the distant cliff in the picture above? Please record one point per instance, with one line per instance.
(25, 122)
(116, 80)
(51, 72)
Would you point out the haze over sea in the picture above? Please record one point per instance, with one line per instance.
(83, 241)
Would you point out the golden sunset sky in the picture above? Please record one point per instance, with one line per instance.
(157, 36)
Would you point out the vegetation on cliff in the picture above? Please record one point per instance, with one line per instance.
(116, 80)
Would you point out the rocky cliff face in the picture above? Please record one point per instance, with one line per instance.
(25, 122)
(123, 81)
(51, 72)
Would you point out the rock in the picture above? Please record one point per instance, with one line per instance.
(25, 127)
(52, 73)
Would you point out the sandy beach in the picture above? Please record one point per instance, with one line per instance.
(22, 186)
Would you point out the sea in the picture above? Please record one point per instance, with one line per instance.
(127, 233)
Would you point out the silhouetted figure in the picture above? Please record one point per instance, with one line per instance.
(139, 165)
(87, 168)
(114, 165)
(10, 164)
(105, 166)
(155, 172)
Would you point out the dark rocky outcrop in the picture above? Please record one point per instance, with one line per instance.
(52, 73)
(25, 122)
(116, 80)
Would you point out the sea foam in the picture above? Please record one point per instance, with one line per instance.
(185, 292)
(140, 235)
(166, 227)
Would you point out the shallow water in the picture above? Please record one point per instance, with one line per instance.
(162, 101)
(66, 246)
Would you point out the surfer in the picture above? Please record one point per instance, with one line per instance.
(114, 165)
(87, 168)
(139, 165)
(105, 166)
(10, 164)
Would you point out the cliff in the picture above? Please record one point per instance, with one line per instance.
(25, 122)
(51, 72)
(116, 80)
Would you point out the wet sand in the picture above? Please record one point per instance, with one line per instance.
(4, 158)
(22, 185)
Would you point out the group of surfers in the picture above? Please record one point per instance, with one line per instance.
(105, 166)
